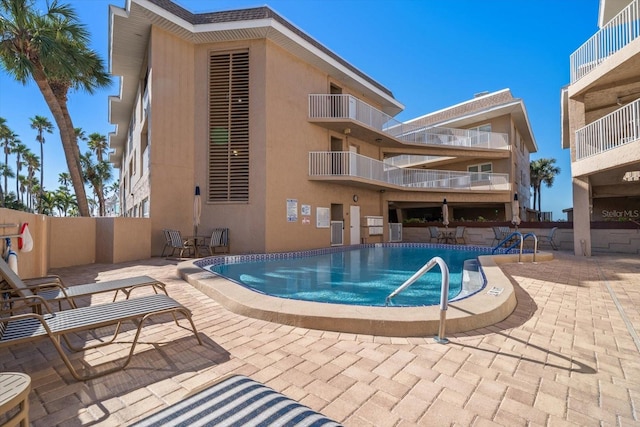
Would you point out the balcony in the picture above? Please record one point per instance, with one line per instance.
(613, 36)
(352, 167)
(343, 110)
(611, 131)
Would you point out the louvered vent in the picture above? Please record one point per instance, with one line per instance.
(229, 127)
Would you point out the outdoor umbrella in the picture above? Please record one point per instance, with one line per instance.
(515, 211)
(197, 211)
(445, 213)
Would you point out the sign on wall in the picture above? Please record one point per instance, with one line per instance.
(323, 217)
(292, 210)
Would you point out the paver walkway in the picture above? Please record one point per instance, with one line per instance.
(568, 355)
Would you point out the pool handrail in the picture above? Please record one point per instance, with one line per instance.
(444, 292)
(521, 244)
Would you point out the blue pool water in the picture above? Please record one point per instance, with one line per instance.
(364, 276)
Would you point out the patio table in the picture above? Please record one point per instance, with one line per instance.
(14, 392)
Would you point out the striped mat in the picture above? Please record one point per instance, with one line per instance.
(237, 401)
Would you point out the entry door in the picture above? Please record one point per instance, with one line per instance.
(354, 213)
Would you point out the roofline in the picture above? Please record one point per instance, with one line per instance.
(468, 101)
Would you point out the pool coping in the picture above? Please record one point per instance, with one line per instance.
(491, 305)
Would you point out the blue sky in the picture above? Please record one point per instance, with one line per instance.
(430, 53)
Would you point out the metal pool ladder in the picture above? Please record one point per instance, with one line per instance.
(520, 239)
(444, 292)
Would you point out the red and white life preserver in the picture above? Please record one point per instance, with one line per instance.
(25, 241)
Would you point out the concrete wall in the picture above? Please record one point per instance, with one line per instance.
(64, 242)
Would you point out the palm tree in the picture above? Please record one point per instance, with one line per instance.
(5, 134)
(64, 201)
(33, 164)
(42, 124)
(9, 139)
(52, 49)
(64, 179)
(7, 173)
(98, 144)
(19, 149)
(542, 171)
(96, 174)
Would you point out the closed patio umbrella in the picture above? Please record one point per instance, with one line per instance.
(197, 211)
(445, 213)
(515, 211)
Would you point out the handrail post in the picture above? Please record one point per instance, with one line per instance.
(444, 301)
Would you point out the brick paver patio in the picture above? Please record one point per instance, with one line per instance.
(568, 355)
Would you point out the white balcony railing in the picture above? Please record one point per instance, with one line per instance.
(613, 130)
(344, 163)
(613, 36)
(324, 106)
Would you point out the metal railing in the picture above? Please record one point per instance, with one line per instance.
(516, 239)
(444, 292)
(613, 36)
(613, 130)
(327, 106)
(344, 163)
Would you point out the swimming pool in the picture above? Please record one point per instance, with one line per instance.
(486, 307)
(364, 275)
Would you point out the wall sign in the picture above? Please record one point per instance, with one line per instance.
(292, 210)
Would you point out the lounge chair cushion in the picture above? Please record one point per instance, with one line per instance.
(237, 401)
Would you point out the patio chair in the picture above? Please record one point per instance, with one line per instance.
(175, 242)
(236, 400)
(434, 233)
(53, 288)
(17, 326)
(459, 236)
(219, 240)
(548, 239)
(499, 234)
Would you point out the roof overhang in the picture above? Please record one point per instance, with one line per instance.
(130, 28)
(515, 109)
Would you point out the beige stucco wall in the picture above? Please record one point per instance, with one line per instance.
(122, 239)
(171, 132)
(73, 241)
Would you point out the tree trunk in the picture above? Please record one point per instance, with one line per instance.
(67, 136)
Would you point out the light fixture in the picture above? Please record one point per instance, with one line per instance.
(378, 140)
(355, 197)
(347, 131)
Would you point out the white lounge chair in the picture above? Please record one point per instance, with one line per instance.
(53, 288)
(18, 326)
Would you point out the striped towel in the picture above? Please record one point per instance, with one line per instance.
(237, 401)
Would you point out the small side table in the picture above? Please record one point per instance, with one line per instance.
(14, 392)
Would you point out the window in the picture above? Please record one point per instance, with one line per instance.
(229, 127)
(145, 208)
(481, 135)
(478, 169)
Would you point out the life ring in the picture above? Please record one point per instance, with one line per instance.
(25, 241)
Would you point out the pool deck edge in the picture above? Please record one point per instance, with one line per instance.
(491, 305)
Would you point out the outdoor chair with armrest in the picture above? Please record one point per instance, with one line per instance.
(18, 325)
(459, 236)
(219, 240)
(175, 242)
(548, 239)
(434, 233)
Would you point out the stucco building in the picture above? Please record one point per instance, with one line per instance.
(600, 122)
(291, 146)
